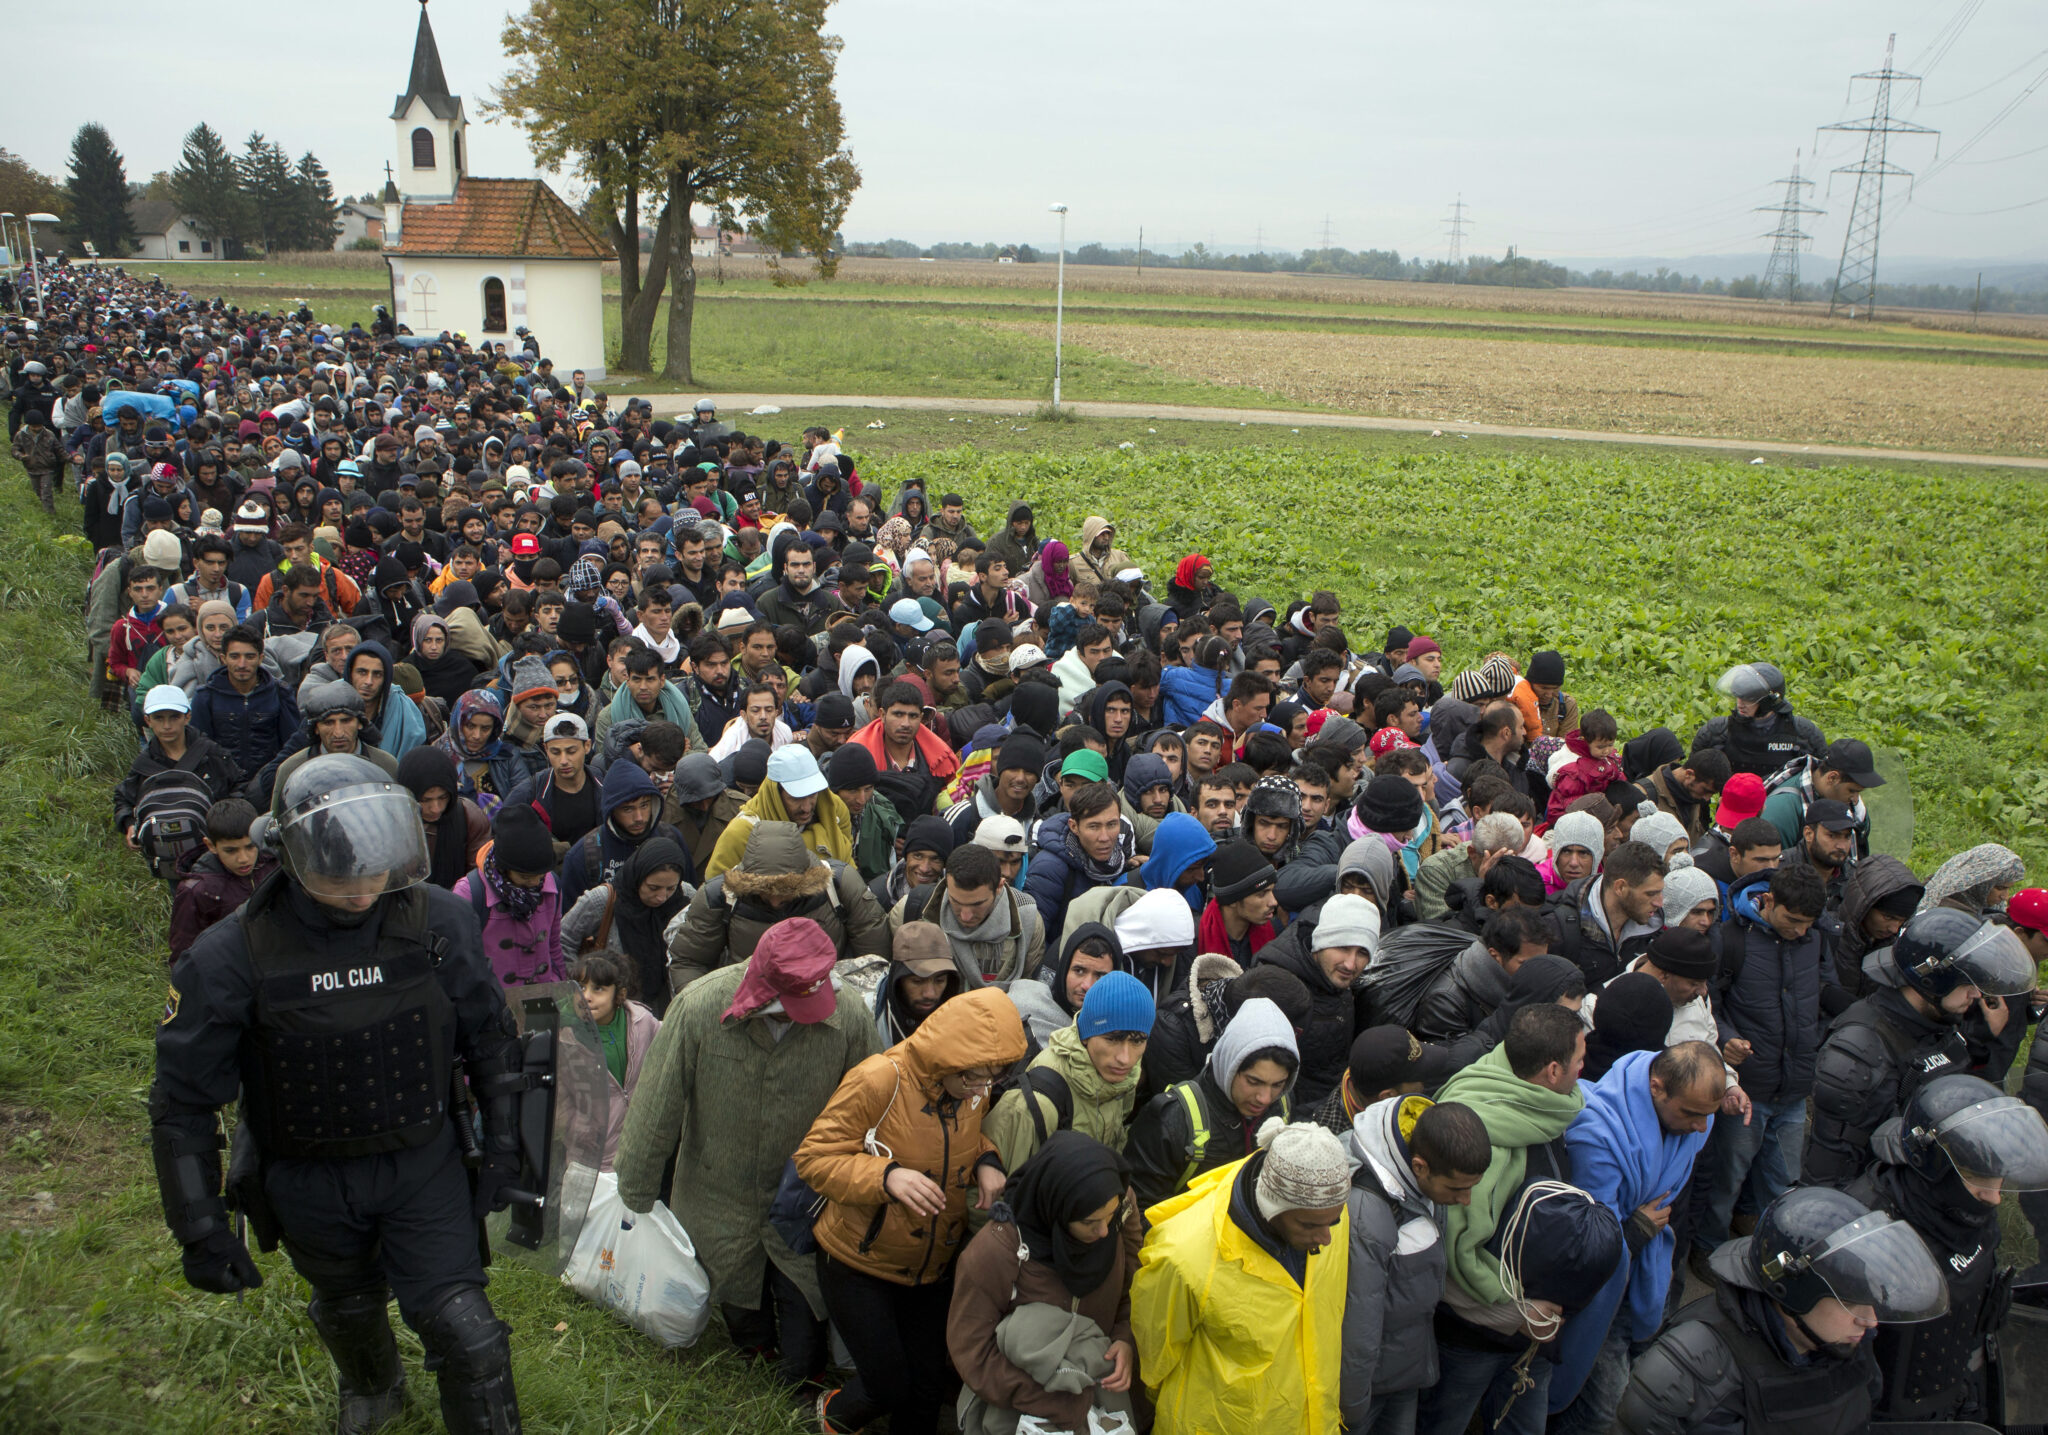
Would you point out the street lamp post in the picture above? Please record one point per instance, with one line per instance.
(35, 268)
(1059, 313)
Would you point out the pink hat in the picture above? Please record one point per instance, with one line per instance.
(792, 964)
(1419, 645)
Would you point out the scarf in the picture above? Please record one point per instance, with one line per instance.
(1184, 572)
(1052, 565)
(1070, 1177)
(1211, 935)
(638, 928)
(1111, 873)
(520, 903)
(420, 771)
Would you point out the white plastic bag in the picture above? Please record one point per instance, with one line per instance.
(642, 1269)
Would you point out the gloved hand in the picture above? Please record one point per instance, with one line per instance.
(499, 1170)
(221, 1263)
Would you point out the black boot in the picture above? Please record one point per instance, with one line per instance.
(357, 1333)
(472, 1360)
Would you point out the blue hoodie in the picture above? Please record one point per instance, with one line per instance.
(1187, 693)
(1624, 1158)
(1145, 771)
(400, 726)
(1179, 843)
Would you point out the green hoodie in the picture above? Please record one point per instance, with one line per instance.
(1101, 1109)
(1518, 1114)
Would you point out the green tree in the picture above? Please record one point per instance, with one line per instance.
(271, 190)
(208, 188)
(98, 190)
(682, 104)
(318, 224)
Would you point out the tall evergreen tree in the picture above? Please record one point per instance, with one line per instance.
(208, 188)
(318, 225)
(98, 191)
(270, 190)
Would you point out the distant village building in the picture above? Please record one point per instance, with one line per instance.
(358, 221)
(484, 257)
(163, 231)
(708, 243)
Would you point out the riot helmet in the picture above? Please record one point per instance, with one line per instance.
(1966, 1126)
(1813, 1242)
(34, 367)
(345, 829)
(1942, 949)
(1750, 682)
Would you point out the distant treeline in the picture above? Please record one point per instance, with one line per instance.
(1514, 270)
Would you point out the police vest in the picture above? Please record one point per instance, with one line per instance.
(353, 1058)
(1828, 1397)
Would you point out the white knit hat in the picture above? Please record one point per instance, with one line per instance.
(1685, 887)
(1659, 830)
(1348, 921)
(1579, 829)
(1305, 1168)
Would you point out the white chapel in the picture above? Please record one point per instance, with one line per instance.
(484, 256)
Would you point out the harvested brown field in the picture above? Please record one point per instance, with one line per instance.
(1889, 403)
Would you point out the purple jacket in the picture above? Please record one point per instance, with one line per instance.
(525, 952)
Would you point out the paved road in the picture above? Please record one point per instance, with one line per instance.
(731, 406)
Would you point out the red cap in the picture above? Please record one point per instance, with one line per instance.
(1390, 739)
(2029, 908)
(525, 545)
(792, 964)
(1741, 799)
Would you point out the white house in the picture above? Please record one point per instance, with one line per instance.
(163, 232)
(358, 221)
(485, 257)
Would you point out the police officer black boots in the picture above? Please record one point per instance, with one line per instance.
(334, 1006)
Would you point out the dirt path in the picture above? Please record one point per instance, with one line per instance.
(733, 405)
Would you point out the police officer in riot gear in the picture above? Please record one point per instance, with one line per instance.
(1781, 1347)
(1942, 1165)
(336, 1001)
(1907, 1031)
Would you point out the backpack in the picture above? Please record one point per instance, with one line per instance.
(170, 819)
(1198, 1128)
(1044, 1081)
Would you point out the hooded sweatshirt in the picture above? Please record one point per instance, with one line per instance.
(623, 782)
(1163, 1145)
(1179, 842)
(400, 726)
(1042, 997)
(1397, 1263)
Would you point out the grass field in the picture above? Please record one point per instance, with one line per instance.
(1895, 597)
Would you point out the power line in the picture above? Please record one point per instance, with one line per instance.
(1788, 239)
(2005, 113)
(1972, 94)
(1945, 38)
(1856, 278)
(1457, 224)
(1974, 213)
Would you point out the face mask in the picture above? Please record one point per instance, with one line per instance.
(568, 699)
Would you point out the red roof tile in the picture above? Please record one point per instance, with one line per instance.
(516, 218)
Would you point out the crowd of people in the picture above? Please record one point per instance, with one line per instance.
(1096, 992)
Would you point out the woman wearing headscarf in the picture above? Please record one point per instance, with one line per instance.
(456, 827)
(630, 915)
(445, 673)
(892, 541)
(1050, 579)
(196, 661)
(1977, 881)
(1194, 579)
(1063, 1241)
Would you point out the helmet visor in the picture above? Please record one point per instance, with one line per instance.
(1993, 961)
(2002, 1139)
(1882, 1263)
(1743, 683)
(359, 841)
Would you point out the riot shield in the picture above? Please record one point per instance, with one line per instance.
(1891, 806)
(2022, 1349)
(563, 1117)
(1929, 1427)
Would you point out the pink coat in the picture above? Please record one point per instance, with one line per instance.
(1587, 775)
(639, 1036)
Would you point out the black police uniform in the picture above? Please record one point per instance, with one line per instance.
(340, 1042)
(1942, 1369)
(1880, 1051)
(1725, 1366)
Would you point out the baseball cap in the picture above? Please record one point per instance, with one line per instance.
(525, 545)
(1000, 834)
(1086, 762)
(1029, 655)
(2028, 907)
(166, 698)
(1741, 799)
(1385, 1056)
(564, 725)
(795, 771)
(1826, 812)
(910, 613)
(921, 948)
(1852, 759)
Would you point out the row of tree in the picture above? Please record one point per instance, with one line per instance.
(259, 198)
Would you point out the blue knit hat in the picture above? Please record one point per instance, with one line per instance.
(1117, 1002)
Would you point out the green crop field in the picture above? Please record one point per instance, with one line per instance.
(1900, 600)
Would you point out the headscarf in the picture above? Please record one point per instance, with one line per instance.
(1070, 1177)
(1184, 572)
(894, 536)
(207, 609)
(419, 772)
(448, 676)
(641, 928)
(1052, 566)
(1973, 874)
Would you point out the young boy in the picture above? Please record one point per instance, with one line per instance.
(218, 878)
(138, 632)
(1593, 766)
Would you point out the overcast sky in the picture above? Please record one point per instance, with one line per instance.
(1579, 128)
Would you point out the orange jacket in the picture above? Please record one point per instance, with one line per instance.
(337, 589)
(940, 758)
(900, 1098)
(1564, 716)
